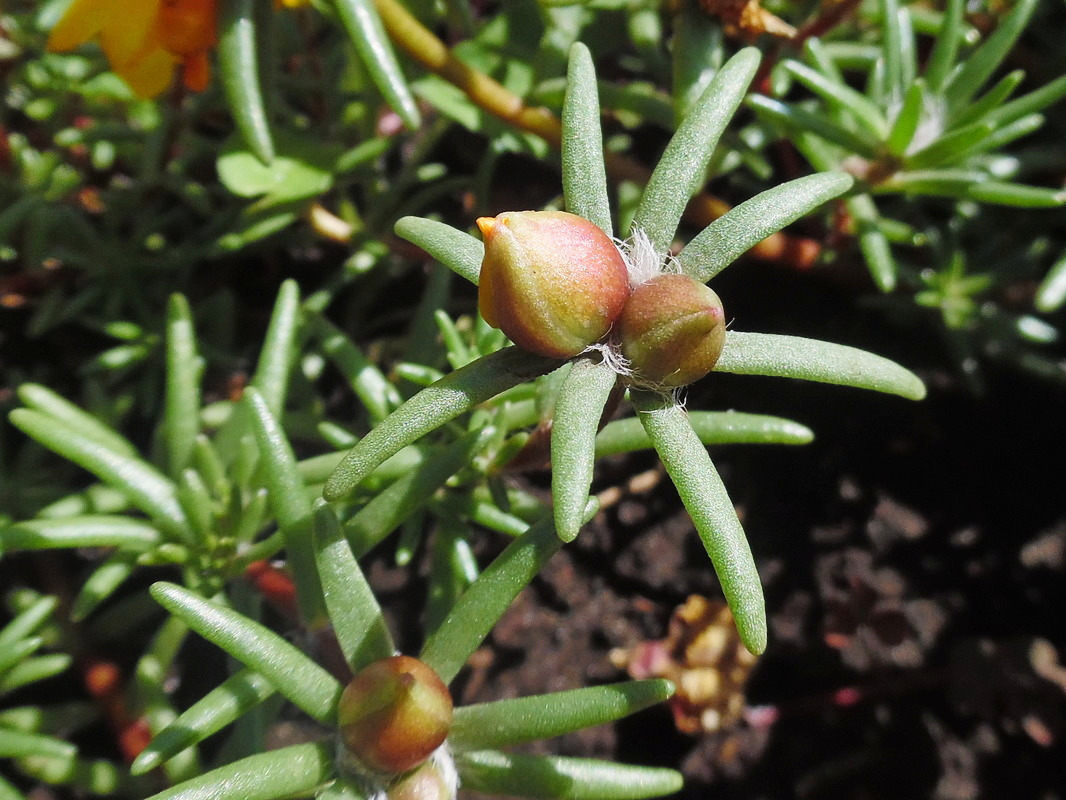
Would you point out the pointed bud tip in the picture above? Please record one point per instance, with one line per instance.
(486, 225)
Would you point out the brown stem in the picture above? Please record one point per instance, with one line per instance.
(488, 94)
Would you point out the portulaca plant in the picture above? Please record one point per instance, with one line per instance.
(626, 315)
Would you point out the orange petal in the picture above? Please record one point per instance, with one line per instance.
(185, 27)
(150, 74)
(196, 71)
(130, 36)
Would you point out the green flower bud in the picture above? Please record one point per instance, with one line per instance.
(552, 281)
(671, 331)
(394, 714)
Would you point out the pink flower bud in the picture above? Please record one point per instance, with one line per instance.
(394, 714)
(672, 331)
(552, 281)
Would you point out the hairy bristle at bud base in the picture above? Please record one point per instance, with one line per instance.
(643, 262)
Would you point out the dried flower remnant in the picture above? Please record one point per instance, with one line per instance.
(702, 654)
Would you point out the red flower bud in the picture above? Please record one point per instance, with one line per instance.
(394, 714)
(671, 331)
(552, 281)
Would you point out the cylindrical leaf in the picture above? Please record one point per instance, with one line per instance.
(435, 405)
(493, 772)
(584, 172)
(707, 501)
(508, 722)
(295, 771)
(238, 61)
(813, 360)
(353, 609)
(213, 712)
(680, 172)
(573, 440)
(291, 672)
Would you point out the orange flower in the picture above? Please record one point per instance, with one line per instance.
(144, 39)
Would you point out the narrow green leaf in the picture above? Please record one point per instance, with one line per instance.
(584, 171)
(1051, 293)
(157, 710)
(813, 360)
(796, 117)
(682, 169)
(288, 499)
(279, 348)
(392, 506)
(891, 49)
(73, 532)
(1006, 134)
(218, 708)
(28, 621)
(33, 670)
(908, 51)
(480, 607)
(493, 772)
(905, 125)
(42, 399)
(143, 484)
(990, 101)
(17, 744)
(238, 62)
(432, 407)
(707, 501)
(181, 415)
(841, 97)
(353, 609)
(367, 381)
(946, 46)
(361, 21)
(578, 407)
(102, 583)
(294, 771)
(16, 652)
(979, 67)
(950, 147)
(1034, 101)
(458, 251)
(291, 672)
(713, 427)
(741, 228)
(872, 241)
(9, 792)
(1016, 194)
(508, 722)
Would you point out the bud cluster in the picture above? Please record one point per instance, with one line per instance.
(556, 285)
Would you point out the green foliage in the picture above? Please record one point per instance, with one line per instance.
(249, 461)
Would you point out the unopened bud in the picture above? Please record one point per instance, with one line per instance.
(552, 281)
(394, 714)
(424, 783)
(671, 331)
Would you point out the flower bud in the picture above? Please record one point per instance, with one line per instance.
(552, 281)
(424, 783)
(394, 714)
(671, 331)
